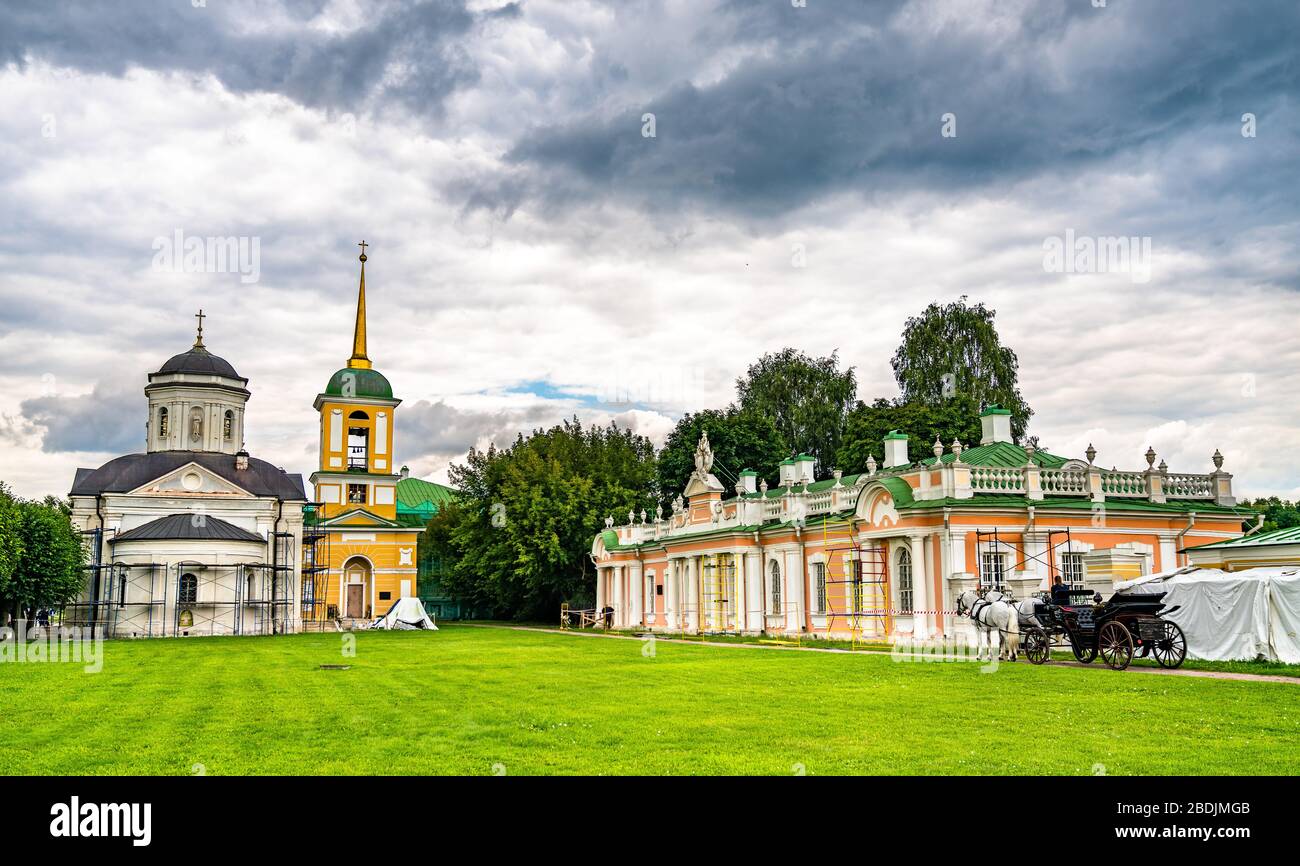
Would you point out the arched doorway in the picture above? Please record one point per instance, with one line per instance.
(356, 587)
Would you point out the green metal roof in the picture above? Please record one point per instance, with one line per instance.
(1290, 535)
(1000, 454)
(363, 383)
(995, 409)
(424, 498)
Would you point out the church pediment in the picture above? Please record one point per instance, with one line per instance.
(191, 480)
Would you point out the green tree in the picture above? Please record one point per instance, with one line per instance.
(1278, 513)
(11, 545)
(954, 349)
(518, 540)
(740, 440)
(956, 418)
(806, 398)
(49, 571)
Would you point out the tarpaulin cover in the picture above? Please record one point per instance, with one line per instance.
(1229, 615)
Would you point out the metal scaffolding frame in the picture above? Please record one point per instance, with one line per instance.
(315, 607)
(1047, 558)
(860, 595)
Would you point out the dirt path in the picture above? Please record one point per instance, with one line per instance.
(1213, 675)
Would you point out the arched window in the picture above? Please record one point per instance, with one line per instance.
(162, 423)
(776, 587)
(359, 443)
(228, 426)
(905, 579)
(189, 589)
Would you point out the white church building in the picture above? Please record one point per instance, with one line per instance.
(193, 536)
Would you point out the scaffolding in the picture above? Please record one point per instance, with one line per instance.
(315, 606)
(1047, 558)
(121, 600)
(857, 587)
(718, 594)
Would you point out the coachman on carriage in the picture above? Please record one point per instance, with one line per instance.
(1115, 630)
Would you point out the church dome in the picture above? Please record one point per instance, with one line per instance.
(200, 360)
(364, 382)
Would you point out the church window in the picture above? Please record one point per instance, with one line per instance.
(385, 596)
(357, 494)
(228, 426)
(359, 443)
(189, 589)
(162, 423)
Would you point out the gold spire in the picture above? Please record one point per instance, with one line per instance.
(359, 360)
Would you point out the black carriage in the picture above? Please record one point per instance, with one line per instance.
(1116, 630)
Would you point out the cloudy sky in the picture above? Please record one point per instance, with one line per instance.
(815, 176)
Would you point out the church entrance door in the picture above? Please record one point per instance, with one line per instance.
(355, 596)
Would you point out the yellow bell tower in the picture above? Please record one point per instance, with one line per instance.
(371, 550)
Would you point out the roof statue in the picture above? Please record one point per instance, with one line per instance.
(703, 456)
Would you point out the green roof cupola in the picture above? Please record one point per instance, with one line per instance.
(995, 425)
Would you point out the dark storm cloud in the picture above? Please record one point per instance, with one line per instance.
(853, 99)
(108, 419)
(405, 52)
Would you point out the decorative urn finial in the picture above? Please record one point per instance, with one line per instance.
(957, 448)
(871, 464)
(1151, 457)
(1218, 459)
(938, 448)
(1091, 454)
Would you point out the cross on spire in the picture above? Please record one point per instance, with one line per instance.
(363, 246)
(198, 342)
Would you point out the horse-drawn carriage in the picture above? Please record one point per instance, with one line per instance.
(1115, 630)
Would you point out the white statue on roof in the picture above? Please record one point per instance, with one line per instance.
(703, 456)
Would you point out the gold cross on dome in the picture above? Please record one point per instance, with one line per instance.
(199, 315)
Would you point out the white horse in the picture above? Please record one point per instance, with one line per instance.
(992, 614)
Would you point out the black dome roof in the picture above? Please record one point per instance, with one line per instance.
(199, 360)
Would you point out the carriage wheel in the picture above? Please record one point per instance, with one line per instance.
(1084, 654)
(1115, 644)
(1171, 648)
(1038, 648)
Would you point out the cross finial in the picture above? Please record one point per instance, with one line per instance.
(363, 246)
(198, 342)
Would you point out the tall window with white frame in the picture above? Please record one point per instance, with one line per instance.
(1072, 570)
(993, 564)
(774, 599)
(905, 580)
(649, 607)
(819, 586)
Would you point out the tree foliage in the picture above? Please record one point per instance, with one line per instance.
(806, 398)
(740, 440)
(954, 349)
(1278, 513)
(517, 542)
(954, 419)
(46, 553)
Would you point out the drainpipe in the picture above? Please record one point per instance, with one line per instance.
(1259, 524)
(1178, 539)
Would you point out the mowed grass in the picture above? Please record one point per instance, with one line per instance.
(466, 699)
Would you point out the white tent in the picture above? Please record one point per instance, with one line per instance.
(1230, 614)
(406, 613)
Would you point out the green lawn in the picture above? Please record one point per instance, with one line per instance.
(465, 699)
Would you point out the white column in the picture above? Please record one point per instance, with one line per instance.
(738, 594)
(754, 591)
(616, 574)
(600, 587)
(670, 594)
(793, 601)
(636, 588)
(920, 585)
(692, 593)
